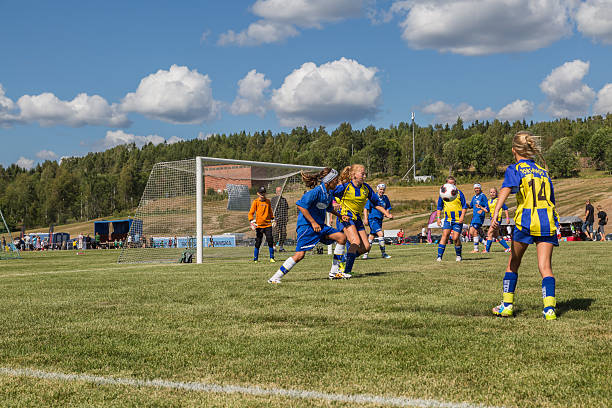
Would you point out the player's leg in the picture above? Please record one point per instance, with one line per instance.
(505, 309)
(354, 241)
(545, 250)
(258, 238)
(286, 267)
(456, 237)
(490, 237)
(443, 240)
(381, 243)
(337, 260)
(476, 238)
(371, 238)
(270, 241)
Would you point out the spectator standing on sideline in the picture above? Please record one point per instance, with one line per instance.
(603, 220)
(589, 218)
(281, 215)
(400, 236)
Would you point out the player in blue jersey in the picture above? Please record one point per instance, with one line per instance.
(535, 220)
(493, 233)
(311, 228)
(353, 194)
(452, 223)
(480, 208)
(374, 219)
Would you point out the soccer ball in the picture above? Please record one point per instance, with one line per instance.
(448, 192)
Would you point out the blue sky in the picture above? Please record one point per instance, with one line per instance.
(82, 76)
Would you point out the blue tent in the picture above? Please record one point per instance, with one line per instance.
(121, 228)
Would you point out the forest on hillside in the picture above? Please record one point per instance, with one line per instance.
(111, 182)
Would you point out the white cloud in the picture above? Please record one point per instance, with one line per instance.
(6, 107)
(46, 155)
(603, 104)
(259, 32)
(178, 95)
(567, 95)
(337, 91)
(446, 113)
(279, 19)
(25, 163)
(479, 27)
(594, 19)
(48, 110)
(250, 97)
(517, 110)
(204, 136)
(118, 137)
(307, 13)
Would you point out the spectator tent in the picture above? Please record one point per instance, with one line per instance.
(120, 229)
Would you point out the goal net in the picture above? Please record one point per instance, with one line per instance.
(167, 225)
(8, 249)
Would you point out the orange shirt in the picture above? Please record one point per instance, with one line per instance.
(262, 210)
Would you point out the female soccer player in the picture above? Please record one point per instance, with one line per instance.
(493, 233)
(311, 227)
(262, 220)
(353, 194)
(374, 219)
(480, 208)
(454, 211)
(535, 220)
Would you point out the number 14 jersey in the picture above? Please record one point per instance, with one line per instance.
(535, 214)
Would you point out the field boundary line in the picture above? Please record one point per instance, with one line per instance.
(236, 389)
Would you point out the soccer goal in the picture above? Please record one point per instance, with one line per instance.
(199, 207)
(8, 249)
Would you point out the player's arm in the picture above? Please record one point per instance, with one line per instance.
(501, 199)
(505, 208)
(377, 203)
(464, 207)
(315, 225)
(252, 213)
(439, 211)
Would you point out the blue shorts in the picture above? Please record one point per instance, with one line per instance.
(476, 225)
(340, 225)
(451, 225)
(520, 236)
(307, 238)
(375, 225)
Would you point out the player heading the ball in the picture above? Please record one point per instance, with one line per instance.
(453, 205)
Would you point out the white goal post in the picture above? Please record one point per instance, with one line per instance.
(193, 204)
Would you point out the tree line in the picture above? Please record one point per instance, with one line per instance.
(111, 182)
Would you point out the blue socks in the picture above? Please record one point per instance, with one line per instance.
(503, 243)
(510, 279)
(488, 245)
(441, 249)
(458, 250)
(271, 252)
(350, 260)
(256, 254)
(548, 293)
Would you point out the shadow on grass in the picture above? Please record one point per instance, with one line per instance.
(574, 304)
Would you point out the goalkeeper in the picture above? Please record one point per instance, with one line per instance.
(262, 221)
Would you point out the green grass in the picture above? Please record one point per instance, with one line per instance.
(406, 327)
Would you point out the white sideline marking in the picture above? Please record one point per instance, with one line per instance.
(236, 389)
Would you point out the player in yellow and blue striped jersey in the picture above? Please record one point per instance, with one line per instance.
(536, 221)
(479, 208)
(353, 194)
(452, 223)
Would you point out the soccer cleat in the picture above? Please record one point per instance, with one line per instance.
(549, 314)
(438, 259)
(281, 249)
(272, 280)
(365, 256)
(386, 256)
(255, 260)
(484, 251)
(458, 259)
(341, 267)
(474, 251)
(272, 260)
(507, 250)
(503, 311)
(339, 275)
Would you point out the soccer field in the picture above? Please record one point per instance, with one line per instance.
(81, 330)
